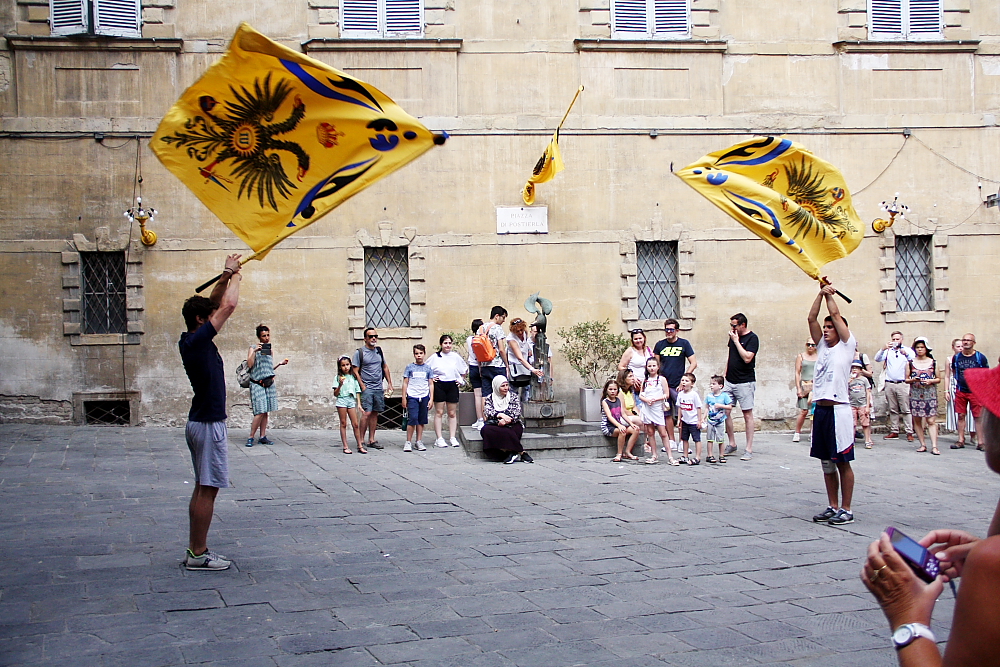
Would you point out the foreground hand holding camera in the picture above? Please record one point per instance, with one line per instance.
(908, 601)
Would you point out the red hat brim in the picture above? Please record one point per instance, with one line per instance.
(985, 384)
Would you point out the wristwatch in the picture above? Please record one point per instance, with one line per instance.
(905, 634)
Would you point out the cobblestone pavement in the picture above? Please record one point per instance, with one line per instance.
(430, 559)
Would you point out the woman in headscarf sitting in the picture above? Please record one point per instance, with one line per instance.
(908, 602)
(503, 428)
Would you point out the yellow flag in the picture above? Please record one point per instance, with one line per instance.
(270, 140)
(545, 169)
(785, 195)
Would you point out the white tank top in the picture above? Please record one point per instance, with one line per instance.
(637, 362)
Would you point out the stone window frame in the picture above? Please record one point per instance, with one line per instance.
(438, 24)
(135, 301)
(387, 237)
(595, 24)
(852, 29)
(887, 267)
(629, 271)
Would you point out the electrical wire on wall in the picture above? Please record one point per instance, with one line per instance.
(136, 191)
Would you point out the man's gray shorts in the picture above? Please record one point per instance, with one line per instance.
(742, 393)
(208, 442)
(373, 400)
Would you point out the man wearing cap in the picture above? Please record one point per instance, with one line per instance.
(833, 420)
(896, 358)
(969, 358)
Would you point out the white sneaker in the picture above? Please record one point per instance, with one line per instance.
(796, 438)
(407, 447)
(420, 446)
(479, 425)
(455, 443)
(673, 446)
(440, 443)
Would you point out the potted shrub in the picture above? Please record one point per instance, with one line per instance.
(593, 351)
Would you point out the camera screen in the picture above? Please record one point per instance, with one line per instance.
(908, 547)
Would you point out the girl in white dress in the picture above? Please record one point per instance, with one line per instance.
(653, 400)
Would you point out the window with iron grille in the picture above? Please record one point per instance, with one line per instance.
(657, 279)
(914, 274)
(102, 284)
(387, 287)
(909, 20)
(374, 19)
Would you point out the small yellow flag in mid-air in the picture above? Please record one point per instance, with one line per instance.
(785, 195)
(545, 169)
(270, 140)
(550, 163)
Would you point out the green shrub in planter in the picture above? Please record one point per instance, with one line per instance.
(593, 351)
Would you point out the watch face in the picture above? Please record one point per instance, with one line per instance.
(902, 635)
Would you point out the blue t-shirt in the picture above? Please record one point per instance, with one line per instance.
(203, 366)
(961, 363)
(673, 359)
(715, 415)
(419, 384)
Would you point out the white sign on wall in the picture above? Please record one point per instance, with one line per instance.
(522, 219)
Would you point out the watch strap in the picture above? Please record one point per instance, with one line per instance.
(915, 630)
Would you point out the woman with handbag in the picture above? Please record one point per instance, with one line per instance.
(519, 351)
(503, 428)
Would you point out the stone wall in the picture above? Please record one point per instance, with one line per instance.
(913, 118)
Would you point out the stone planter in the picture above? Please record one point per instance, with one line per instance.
(466, 408)
(590, 404)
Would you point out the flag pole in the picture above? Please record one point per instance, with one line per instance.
(566, 115)
(826, 281)
(201, 288)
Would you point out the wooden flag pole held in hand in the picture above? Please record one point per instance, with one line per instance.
(824, 281)
(201, 288)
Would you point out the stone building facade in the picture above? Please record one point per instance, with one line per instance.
(908, 108)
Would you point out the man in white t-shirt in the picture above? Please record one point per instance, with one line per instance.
(833, 422)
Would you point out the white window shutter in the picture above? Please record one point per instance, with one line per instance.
(885, 17)
(359, 18)
(68, 17)
(117, 18)
(629, 18)
(404, 17)
(926, 18)
(672, 18)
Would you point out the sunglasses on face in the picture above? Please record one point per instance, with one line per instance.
(375, 336)
(670, 330)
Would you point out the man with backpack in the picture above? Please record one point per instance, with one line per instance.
(969, 358)
(370, 362)
(490, 347)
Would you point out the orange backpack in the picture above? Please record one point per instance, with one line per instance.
(482, 348)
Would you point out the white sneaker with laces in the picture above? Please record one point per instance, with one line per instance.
(478, 425)
(673, 446)
(455, 443)
(440, 443)
(408, 447)
(207, 561)
(796, 438)
(420, 446)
